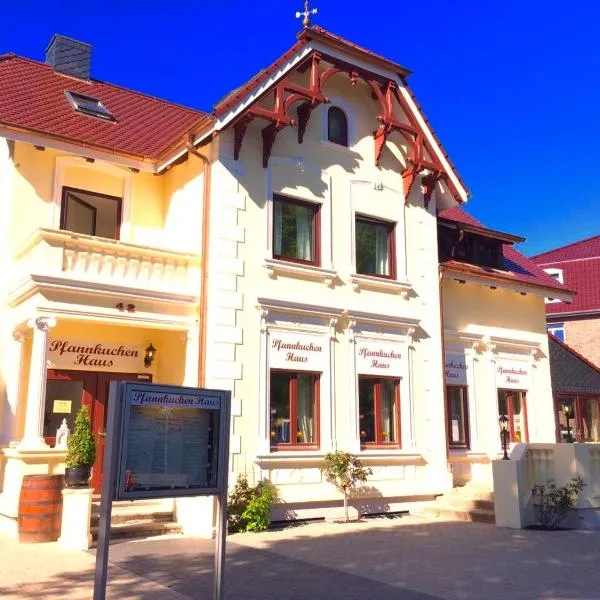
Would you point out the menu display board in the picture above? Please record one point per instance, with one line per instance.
(170, 441)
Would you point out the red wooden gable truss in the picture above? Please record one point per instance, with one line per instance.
(286, 95)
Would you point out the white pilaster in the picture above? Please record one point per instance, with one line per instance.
(192, 356)
(36, 398)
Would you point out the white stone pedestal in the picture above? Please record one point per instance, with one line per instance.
(196, 516)
(75, 531)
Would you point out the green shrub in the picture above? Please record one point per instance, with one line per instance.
(555, 502)
(249, 507)
(81, 446)
(345, 472)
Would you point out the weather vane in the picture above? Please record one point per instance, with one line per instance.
(306, 14)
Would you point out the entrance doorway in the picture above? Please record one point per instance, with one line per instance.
(67, 391)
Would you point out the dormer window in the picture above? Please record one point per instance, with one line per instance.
(556, 273)
(89, 106)
(337, 126)
(466, 246)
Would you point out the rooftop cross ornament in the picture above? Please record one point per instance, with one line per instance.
(306, 14)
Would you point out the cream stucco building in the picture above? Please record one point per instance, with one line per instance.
(285, 247)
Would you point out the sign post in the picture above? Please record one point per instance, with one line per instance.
(164, 442)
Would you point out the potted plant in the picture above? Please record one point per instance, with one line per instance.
(81, 451)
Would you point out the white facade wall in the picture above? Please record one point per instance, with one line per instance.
(253, 297)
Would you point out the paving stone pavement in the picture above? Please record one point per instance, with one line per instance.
(396, 559)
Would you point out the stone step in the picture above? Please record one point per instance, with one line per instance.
(135, 513)
(139, 528)
(465, 503)
(471, 494)
(450, 513)
(118, 504)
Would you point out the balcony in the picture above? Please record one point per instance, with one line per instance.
(56, 259)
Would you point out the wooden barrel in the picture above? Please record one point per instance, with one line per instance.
(40, 508)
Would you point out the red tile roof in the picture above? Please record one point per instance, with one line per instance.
(580, 265)
(519, 268)
(32, 97)
(587, 248)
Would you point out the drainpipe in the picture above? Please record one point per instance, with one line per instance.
(205, 261)
(443, 366)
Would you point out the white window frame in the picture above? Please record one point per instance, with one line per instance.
(552, 327)
(65, 162)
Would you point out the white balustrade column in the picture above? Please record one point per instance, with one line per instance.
(192, 356)
(36, 394)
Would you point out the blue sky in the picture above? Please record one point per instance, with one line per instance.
(511, 88)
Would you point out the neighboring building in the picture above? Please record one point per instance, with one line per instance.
(577, 266)
(576, 385)
(284, 247)
(495, 342)
(100, 256)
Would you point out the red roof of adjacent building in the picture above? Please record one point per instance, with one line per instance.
(519, 268)
(580, 265)
(32, 98)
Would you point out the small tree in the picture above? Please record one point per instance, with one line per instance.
(345, 472)
(555, 502)
(81, 446)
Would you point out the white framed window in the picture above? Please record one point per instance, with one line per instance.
(556, 273)
(338, 124)
(557, 330)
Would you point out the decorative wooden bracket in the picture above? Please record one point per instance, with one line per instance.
(269, 133)
(239, 131)
(304, 112)
(289, 96)
(428, 182)
(408, 178)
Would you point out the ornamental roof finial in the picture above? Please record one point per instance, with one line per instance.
(306, 14)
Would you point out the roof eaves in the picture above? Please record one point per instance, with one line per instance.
(322, 35)
(239, 93)
(500, 235)
(49, 138)
(508, 277)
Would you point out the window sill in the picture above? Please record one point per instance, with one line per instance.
(307, 457)
(277, 267)
(360, 281)
(396, 455)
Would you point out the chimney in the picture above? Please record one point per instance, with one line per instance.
(69, 56)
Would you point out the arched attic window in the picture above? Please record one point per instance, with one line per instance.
(337, 126)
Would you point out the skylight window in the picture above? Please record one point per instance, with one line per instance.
(89, 106)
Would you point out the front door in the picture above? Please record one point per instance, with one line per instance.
(66, 392)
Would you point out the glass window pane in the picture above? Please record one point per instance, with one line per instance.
(337, 126)
(518, 417)
(280, 408)
(91, 214)
(388, 411)
(305, 410)
(63, 401)
(293, 231)
(457, 414)
(372, 248)
(366, 402)
(502, 404)
(591, 419)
